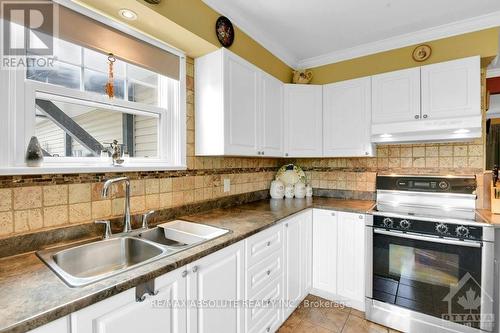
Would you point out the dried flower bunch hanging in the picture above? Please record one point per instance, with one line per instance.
(109, 88)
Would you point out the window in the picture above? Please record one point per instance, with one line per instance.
(66, 108)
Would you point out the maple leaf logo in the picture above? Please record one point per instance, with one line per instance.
(470, 301)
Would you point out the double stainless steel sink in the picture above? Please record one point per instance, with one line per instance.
(88, 263)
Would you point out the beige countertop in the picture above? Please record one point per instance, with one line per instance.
(32, 295)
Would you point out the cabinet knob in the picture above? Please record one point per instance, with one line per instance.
(268, 243)
(366, 153)
(262, 152)
(286, 154)
(333, 214)
(286, 225)
(268, 329)
(361, 217)
(195, 269)
(425, 116)
(184, 274)
(417, 116)
(268, 272)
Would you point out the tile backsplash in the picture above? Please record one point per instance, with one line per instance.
(36, 202)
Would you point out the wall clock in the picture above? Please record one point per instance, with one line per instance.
(225, 31)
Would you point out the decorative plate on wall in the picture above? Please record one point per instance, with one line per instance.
(225, 31)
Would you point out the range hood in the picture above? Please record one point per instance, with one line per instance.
(437, 130)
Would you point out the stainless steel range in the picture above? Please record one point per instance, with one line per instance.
(430, 257)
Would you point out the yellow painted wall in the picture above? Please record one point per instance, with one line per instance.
(189, 25)
(483, 43)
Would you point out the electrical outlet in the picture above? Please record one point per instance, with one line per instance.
(227, 185)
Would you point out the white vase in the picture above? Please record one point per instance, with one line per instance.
(289, 191)
(300, 190)
(309, 191)
(277, 189)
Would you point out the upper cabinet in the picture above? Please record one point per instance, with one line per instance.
(346, 118)
(239, 108)
(303, 120)
(431, 103)
(451, 89)
(396, 96)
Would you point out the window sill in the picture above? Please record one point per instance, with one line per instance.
(80, 168)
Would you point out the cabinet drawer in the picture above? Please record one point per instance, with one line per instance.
(258, 314)
(261, 245)
(259, 275)
(271, 323)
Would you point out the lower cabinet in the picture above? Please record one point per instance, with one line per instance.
(251, 286)
(298, 254)
(122, 313)
(215, 283)
(339, 257)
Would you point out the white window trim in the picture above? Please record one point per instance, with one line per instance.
(16, 126)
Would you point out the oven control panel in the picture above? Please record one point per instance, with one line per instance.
(433, 184)
(449, 230)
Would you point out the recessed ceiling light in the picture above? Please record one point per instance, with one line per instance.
(128, 14)
(461, 131)
(386, 135)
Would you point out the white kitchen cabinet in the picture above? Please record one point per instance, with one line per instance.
(396, 96)
(271, 116)
(451, 89)
(61, 325)
(239, 108)
(122, 313)
(325, 245)
(351, 259)
(303, 120)
(347, 118)
(298, 255)
(218, 277)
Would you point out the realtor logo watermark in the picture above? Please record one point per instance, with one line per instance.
(28, 30)
(464, 303)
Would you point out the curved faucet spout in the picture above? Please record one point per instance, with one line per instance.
(105, 194)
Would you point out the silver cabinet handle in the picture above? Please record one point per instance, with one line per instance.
(195, 269)
(425, 116)
(417, 116)
(268, 243)
(184, 274)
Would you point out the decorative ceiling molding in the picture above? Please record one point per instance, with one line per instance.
(238, 20)
(417, 37)
(446, 30)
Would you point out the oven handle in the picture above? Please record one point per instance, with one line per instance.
(428, 239)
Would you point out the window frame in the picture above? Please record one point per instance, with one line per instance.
(20, 117)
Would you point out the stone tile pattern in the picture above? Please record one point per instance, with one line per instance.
(36, 202)
(321, 316)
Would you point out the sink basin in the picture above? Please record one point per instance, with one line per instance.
(179, 235)
(88, 263)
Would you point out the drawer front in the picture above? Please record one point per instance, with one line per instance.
(264, 243)
(262, 273)
(268, 302)
(271, 323)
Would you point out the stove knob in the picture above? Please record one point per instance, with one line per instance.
(442, 228)
(404, 224)
(443, 185)
(462, 231)
(388, 222)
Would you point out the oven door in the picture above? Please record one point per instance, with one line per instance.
(439, 277)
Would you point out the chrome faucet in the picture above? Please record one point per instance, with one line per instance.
(105, 193)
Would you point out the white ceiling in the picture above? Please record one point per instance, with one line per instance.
(309, 33)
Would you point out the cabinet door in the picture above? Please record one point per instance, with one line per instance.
(241, 106)
(351, 259)
(451, 89)
(123, 314)
(347, 118)
(325, 251)
(217, 277)
(396, 96)
(271, 119)
(60, 325)
(298, 258)
(303, 120)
